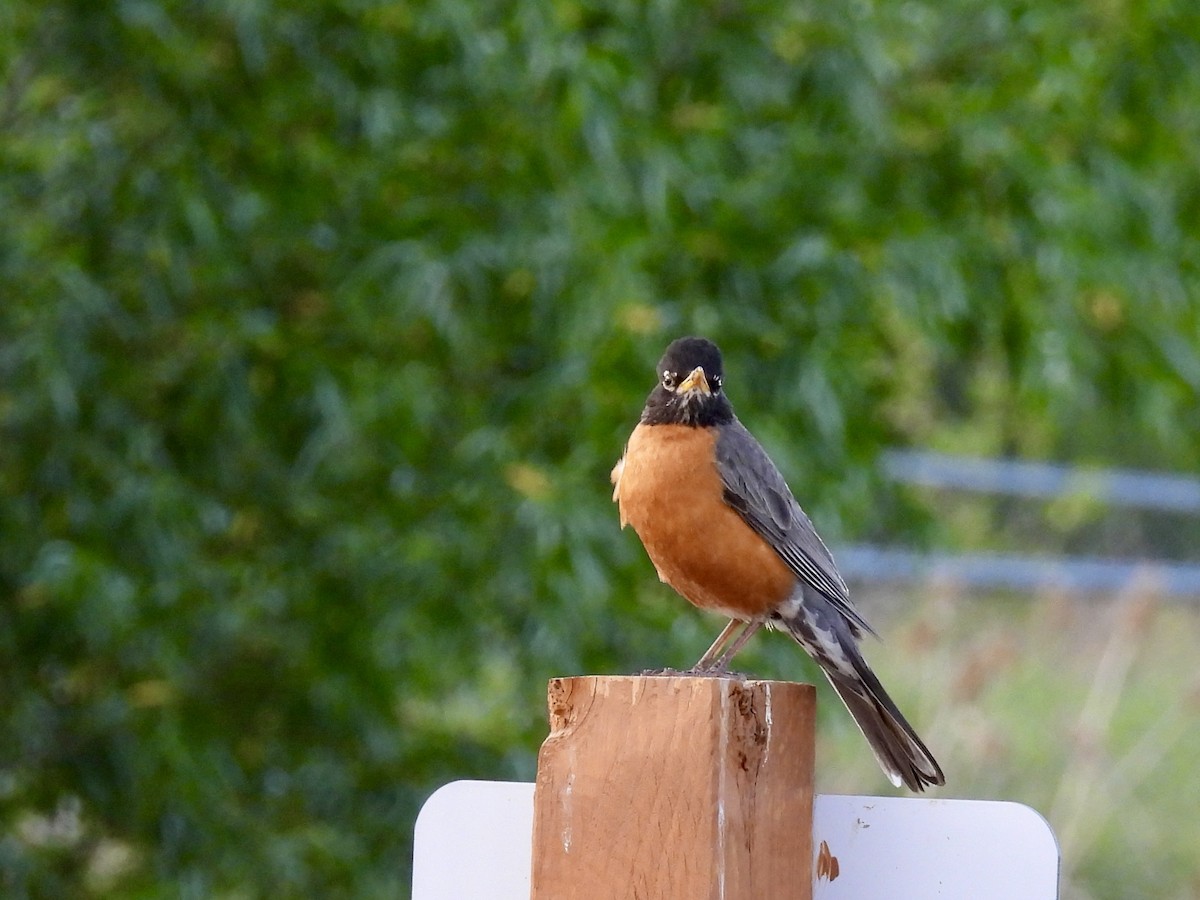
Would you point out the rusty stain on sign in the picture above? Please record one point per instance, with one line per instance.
(827, 863)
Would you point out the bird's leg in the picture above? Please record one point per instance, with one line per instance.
(710, 655)
(714, 661)
(727, 657)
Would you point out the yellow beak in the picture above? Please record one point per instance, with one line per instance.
(694, 381)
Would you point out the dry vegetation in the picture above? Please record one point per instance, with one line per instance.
(1085, 708)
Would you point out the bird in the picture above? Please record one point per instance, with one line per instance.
(721, 527)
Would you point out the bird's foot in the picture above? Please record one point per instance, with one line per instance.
(693, 672)
(715, 672)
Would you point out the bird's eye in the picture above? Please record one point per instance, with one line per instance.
(668, 381)
(716, 383)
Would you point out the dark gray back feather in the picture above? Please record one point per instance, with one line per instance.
(759, 494)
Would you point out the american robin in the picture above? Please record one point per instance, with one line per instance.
(721, 526)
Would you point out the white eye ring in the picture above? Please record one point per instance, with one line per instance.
(668, 381)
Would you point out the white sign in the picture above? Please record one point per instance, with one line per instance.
(473, 842)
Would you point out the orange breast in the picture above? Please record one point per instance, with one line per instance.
(668, 489)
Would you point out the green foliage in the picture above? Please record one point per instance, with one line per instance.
(321, 326)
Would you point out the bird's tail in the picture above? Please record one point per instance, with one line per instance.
(902, 755)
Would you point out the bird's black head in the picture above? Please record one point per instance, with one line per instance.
(690, 389)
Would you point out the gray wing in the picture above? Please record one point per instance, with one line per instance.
(756, 490)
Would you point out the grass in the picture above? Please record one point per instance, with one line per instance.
(1086, 709)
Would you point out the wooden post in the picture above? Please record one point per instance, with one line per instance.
(664, 786)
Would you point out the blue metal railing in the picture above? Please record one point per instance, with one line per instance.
(1117, 487)
(1114, 487)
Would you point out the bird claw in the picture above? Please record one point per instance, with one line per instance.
(692, 673)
